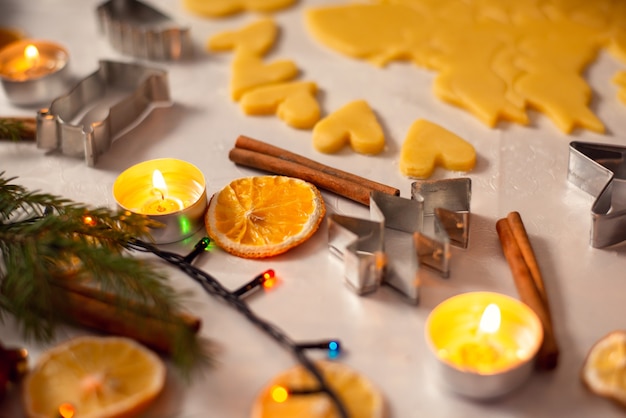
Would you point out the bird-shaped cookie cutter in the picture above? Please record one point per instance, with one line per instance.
(600, 170)
(136, 29)
(144, 88)
(364, 245)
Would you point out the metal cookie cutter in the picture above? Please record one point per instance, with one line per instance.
(600, 170)
(390, 246)
(136, 29)
(142, 87)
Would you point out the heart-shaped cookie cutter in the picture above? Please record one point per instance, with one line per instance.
(143, 87)
(363, 246)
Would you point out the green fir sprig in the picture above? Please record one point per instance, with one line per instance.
(17, 128)
(43, 237)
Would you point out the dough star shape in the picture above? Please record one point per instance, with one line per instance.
(428, 145)
(495, 59)
(355, 124)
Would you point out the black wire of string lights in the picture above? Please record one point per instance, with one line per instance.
(234, 299)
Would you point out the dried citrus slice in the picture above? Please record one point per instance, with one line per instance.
(359, 397)
(263, 216)
(94, 377)
(604, 370)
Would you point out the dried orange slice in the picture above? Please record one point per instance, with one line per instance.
(604, 370)
(263, 216)
(93, 377)
(359, 397)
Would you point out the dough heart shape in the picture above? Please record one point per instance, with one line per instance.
(354, 123)
(293, 102)
(258, 37)
(249, 71)
(428, 145)
(221, 8)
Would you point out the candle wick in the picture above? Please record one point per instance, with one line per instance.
(160, 193)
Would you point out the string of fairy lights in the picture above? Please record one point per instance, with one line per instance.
(236, 300)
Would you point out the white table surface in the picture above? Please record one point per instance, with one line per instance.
(519, 168)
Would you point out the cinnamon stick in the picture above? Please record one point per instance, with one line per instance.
(521, 236)
(256, 154)
(251, 144)
(106, 312)
(27, 126)
(530, 292)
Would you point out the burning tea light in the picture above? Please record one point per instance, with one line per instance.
(170, 191)
(33, 71)
(483, 343)
(162, 203)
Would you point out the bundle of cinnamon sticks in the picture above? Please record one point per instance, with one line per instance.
(529, 283)
(109, 313)
(256, 154)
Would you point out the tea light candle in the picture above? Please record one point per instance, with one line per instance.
(483, 343)
(33, 71)
(162, 203)
(170, 191)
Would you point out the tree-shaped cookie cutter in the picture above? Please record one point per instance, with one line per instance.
(136, 29)
(142, 87)
(600, 170)
(364, 247)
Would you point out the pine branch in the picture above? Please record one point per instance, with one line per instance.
(17, 128)
(44, 237)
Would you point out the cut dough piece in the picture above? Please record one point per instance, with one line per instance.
(222, 8)
(617, 47)
(249, 71)
(487, 100)
(293, 102)
(356, 124)
(257, 37)
(563, 97)
(620, 80)
(482, 57)
(375, 32)
(494, 59)
(428, 145)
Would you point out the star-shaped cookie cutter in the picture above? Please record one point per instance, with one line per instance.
(364, 245)
(600, 170)
(143, 87)
(136, 29)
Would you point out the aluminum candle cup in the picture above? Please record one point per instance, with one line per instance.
(33, 71)
(170, 191)
(483, 343)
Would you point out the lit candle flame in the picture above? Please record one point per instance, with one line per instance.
(31, 53)
(158, 183)
(490, 319)
(66, 410)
